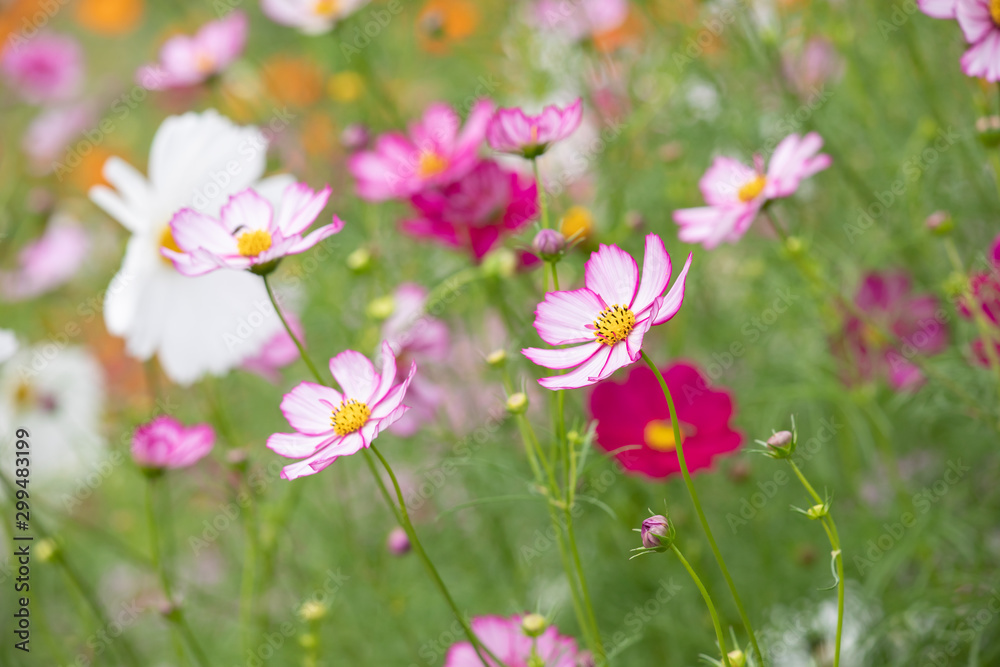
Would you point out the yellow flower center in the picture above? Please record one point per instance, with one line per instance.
(325, 7)
(534, 134)
(167, 241)
(431, 164)
(24, 396)
(752, 189)
(614, 324)
(995, 11)
(578, 223)
(252, 243)
(350, 416)
(659, 435)
(205, 63)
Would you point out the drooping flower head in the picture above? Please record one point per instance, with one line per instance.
(475, 211)
(47, 262)
(249, 234)
(46, 68)
(513, 131)
(329, 423)
(186, 61)
(434, 154)
(633, 421)
(508, 640)
(606, 320)
(980, 23)
(735, 193)
(887, 299)
(312, 17)
(165, 442)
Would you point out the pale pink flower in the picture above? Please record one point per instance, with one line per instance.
(398, 542)
(167, 443)
(416, 336)
(606, 320)
(435, 153)
(328, 423)
(513, 131)
(248, 234)
(47, 262)
(310, 16)
(186, 61)
(50, 133)
(735, 193)
(938, 9)
(279, 351)
(580, 19)
(980, 23)
(508, 641)
(46, 68)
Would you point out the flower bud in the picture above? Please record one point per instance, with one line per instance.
(307, 640)
(656, 532)
(237, 458)
(634, 220)
(817, 511)
(988, 128)
(737, 658)
(360, 260)
(497, 358)
(313, 610)
(517, 404)
(398, 542)
(533, 625)
(781, 445)
(46, 550)
(355, 137)
(780, 439)
(381, 308)
(549, 244)
(940, 223)
(501, 263)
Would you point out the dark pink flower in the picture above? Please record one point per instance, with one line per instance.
(167, 443)
(434, 154)
(186, 61)
(512, 131)
(47, 262)
(508, 641)
(887, 300)
(475, 211)
(634, 414)
(46, 68)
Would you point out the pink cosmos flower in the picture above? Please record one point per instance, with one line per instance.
(186, 61)
(980, 23)
(329, 424)
(938, 9)
(248, 233)
(46, 68)
(580, 19)
(985, 287)
(606, 320)
(310, 16)
(735, 193)
(167, 443)
(279, 351)
(50, 132)
(46, 262)
(416, 336)
(512, 131)
(887, 299)
(812, 66)
(634, 414)
(434, 154)
(508, 641)
(475, 211)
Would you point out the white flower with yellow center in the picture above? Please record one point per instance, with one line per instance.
(310, 16)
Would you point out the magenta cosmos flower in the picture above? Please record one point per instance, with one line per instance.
(47, 262)
(186, 61)
(329, 424)
(513, 131)
(508, 642)
(985, 287)
(248, 234)
(167, 443)
(980, 23)
(46, 68)
(434, 154)
(735, 193)
(606, 320)
(634, 415)
(475, 211)
(887, 299)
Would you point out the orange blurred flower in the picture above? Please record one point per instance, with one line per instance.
(319, 134)
(628, 32)
(443, 22)
(110, 17)
(293, 80)
(89, 171)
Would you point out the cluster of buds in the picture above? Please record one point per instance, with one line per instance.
(657, 535)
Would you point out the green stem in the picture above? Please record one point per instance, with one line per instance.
(249, 573)
(302, 351)
(708, 601)
(542, 196)
(697, 506)
(435, 576)
(831, 533)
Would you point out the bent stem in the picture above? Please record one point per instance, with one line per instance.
(298, 345)
(435, 576)
(831, 532)
(708, 601)
(699, 510)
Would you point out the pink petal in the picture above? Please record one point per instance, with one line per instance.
(563, 317)
(565, 357)
(388, 374)
(974, 19)
(355, 374)
(675, 297)
(193, 230)
(298, 445)
(656, 270)
(316, 236)
(393, 399)
(247, 210)
(300, 206)
(581, 376)
(309, 407)
(613, 275)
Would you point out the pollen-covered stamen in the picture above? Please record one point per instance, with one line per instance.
(167, 241)
(205, 63)
(752, 189)
(349, 416)
(614, 324)
(431, 164)
(995, 11)
(325, 7)
(252, 243)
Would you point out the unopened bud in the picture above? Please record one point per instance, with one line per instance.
(549, 244)
(817, 511)
(534, 625)
(355, 137)
(360, 260)
(780, 439)
(989, 130)
(398, 542)
(497, 358)
(237, 458)
(46, 550)
(940, 222)
(656, 532)
(634, 220)
(313, 610)
(517, 404)
(307, 640)
(501, 263)
(381, 308)
(737, 658)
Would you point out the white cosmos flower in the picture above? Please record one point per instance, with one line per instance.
(195, 326)
(57, 395)
(8, 344)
